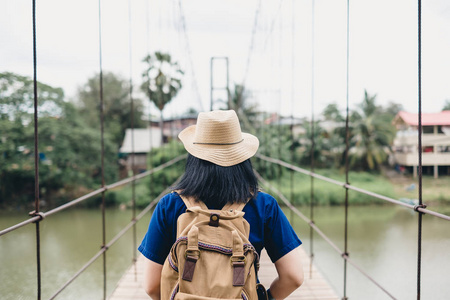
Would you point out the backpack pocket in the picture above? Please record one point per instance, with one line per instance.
(184, 296)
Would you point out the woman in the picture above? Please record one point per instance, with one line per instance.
(219, 171)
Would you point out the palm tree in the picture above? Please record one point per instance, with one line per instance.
(371, 135)
(246, 111)
(162, 81)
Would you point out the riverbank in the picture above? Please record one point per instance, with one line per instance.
(436, 192)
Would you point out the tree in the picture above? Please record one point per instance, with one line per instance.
(17, 98)
(162, 81)
(117, 105)
(247, 112)
(69, 149)
(370, 136)
(446, 105)
(332, 113)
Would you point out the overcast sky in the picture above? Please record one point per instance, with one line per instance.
(383, 47)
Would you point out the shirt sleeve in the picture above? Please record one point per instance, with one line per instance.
(157, 243)
(279, 236)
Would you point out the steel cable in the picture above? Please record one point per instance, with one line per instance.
(36, 157)
(419, 127)
(133, 162)
(320, 232)
(102, 142)
(76, 201)
(354, 188)
(311, 233)
(347, 137)
(111, 242)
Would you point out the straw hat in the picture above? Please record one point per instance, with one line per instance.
(217, 138)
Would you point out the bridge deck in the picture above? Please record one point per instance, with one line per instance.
(316, 288)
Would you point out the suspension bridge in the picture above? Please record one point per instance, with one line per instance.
(315, 286)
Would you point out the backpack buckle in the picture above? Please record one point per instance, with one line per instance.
(236, 259)
(192, 253)
(214, 220)
(189, 264)
(238, 264)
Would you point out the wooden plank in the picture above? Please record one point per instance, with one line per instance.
(316, 288)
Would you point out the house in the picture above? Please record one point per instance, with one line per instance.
(144, 139)
(142, 144)
(435, 142)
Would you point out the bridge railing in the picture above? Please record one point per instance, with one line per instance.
(42, 215)
(343, 254)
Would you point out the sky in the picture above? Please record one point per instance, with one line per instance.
(292, 62)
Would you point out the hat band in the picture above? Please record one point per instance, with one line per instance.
(219, 143)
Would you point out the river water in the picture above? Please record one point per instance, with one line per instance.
(382, 240)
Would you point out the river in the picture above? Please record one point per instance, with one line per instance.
(382, 240)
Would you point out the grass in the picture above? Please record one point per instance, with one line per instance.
(435, 191)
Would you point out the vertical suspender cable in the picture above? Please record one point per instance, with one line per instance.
(419, 70)
(347, 136)
(36, 156)
(150, 157)
(102, 151)
(292, 103)
(133, 166)
(280, 87)
(280, 91)
(311, 232)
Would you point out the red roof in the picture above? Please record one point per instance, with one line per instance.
(440, 118)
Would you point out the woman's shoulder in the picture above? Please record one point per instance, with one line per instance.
(263, 201)
(171, 200)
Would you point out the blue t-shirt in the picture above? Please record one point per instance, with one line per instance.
(269, 227)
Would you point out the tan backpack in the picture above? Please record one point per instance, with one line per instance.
(212, 257)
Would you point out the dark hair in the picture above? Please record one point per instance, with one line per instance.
(216, 185)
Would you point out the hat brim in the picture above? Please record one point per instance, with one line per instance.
(222, 155)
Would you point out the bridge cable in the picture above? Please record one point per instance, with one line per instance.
(122, 232)
(311, 232)
(36, 157)
(419, 127)
(280, 91)
(189, 52)
(133, 163)
(320, 232)
(102, 144)
(346, 150)
(292, 102)
(150, 158)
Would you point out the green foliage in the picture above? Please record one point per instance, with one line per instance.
(162, 81)
(277, 142)
(17, 98)
(247, 112)
(329, 194)
(332, 113)
(446, 105)
(69, 149)
(328, 147)
(149, 188)
(116, 109)
(371, 135)
(162, 78)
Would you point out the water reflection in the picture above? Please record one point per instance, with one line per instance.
(382, 240)
(68, 240)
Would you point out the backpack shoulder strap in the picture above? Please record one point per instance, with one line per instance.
(234, 206)
(191, 202)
